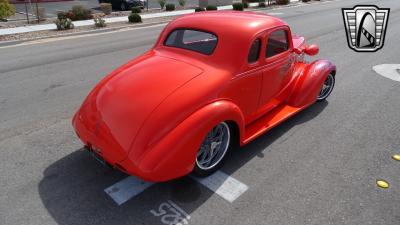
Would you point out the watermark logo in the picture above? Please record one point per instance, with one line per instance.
(365, 27)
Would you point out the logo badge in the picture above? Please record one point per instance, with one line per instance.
(365, 27)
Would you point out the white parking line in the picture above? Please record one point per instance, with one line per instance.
(222, 184)
(126, 189)
(225, 186)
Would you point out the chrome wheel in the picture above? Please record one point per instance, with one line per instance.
(214, 147)
(327, 87)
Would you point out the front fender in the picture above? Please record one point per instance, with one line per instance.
(174, 155)
(309, 83)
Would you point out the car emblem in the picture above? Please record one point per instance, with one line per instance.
(365, 27)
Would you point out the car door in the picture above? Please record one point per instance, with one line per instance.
(276, 72)
(245, 88)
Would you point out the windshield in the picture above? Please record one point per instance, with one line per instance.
(194, 40)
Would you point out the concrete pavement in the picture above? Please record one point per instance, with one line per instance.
(319, 167)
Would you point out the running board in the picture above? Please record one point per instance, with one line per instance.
(269, 121)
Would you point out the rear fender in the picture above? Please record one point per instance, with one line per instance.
(309, 83)
(174, 155)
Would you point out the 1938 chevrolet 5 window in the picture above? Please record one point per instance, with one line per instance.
(212, 81)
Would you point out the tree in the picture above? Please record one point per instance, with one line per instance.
(182, 3)
(6, 9)
(162, 3)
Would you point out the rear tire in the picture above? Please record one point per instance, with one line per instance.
(326, 88)
(213, 150)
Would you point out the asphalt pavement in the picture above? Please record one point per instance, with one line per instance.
(319, 167)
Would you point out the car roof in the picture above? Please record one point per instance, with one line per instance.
(235, 31)
(228, 22)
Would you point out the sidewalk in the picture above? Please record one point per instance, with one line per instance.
(26, 29)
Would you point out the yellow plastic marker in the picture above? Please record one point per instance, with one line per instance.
(396, 157)
(382, 184)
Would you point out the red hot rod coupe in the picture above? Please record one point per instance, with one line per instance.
(212, 80)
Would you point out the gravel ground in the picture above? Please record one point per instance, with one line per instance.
(119, 25)
(53, 33)
(22, 18)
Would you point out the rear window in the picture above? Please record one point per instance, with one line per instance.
(194, 40)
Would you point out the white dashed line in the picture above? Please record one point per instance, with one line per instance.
(222, 184)
(126, 189)
(225, 186)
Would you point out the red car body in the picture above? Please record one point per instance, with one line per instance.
(149, 117)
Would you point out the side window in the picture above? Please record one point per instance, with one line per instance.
(254, 51)
(277, 43)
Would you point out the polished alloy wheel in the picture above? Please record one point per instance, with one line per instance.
(327, 87)
(214, 147)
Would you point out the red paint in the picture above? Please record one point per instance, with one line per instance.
(151, 114)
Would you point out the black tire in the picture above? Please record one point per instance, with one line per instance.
(200, 169)
(327, 88)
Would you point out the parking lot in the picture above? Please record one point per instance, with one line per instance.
(319, 167)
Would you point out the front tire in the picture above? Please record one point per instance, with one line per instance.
(213, 150)
(326, 88)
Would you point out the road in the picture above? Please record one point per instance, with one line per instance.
(319, 167)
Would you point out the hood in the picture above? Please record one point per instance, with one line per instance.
(123, 102)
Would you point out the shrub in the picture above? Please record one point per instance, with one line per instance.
(6, 9)
(106, 8)
(99, 22)
(170, 7)
(282, 2)
(211, 7)
(61, 15)
(245, 4)
(136, 9)
(199, 9)
(237, 6)
(162, 3)
(134, 18)
(80, 12)
(262, 4)
(64, 24)
(182, 3)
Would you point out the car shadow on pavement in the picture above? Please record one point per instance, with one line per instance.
(72, 188)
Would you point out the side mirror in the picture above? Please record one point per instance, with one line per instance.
(311, 50)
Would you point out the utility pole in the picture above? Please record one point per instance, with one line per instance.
(37, 11)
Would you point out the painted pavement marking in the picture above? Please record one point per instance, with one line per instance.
(171, 214)
(391, 71)
(224, 185)
(220, 183)
(126, 189)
